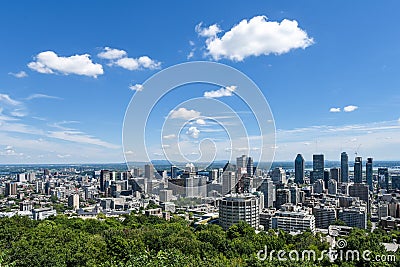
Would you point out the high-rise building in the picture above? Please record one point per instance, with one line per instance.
(319, 186)
(358, 170)
(396, 182)
(383, 178)
(239, 207)
(149, 171)
(73, 201)
(332, 187)
(228, 182)
(344, 167)
(293, 219)
(241, 162)
(165, 195)
(369, 173)
(282, 197)
(294, 195)
(325, 215)
(11, 189)
(299, 169)
(267, 187)
(174, 172)
(278, 175)
(249, 167)
(354, 216)
(334, 174)
(318, 168)
(104, 179)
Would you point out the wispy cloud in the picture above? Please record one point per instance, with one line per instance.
(21, 74)
(36, 96)
(6, 99)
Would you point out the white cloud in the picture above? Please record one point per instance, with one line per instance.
(112, 53)
(79, 137)
(334, 110)
(210, 31)
(18, 113)
(35, 96)
(143, 62)
(227, 91)
(63, 156)
(183, 113)
(120, 58)
(6, 99)
(200, 121)
(169, 136)
(350, 108)
(255, 37)
(49, 62)
(21, 74)
(136, 87)
(193, 132)
(191, 54)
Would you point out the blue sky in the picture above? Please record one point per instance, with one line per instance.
(63, 98)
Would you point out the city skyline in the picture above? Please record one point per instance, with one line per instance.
(68, 75)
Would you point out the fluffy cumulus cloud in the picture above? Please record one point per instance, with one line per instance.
(254, 37)
(49, 62)
(120, 58)
(112, 53)
(224, 91)
(136, 87)
(350, 108)
(210, 31)
(200, 121)
(21, 74)
(334, 110)
(193, 132)
(183, 113)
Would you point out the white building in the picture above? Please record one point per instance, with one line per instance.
(293, 219)
(239, 207)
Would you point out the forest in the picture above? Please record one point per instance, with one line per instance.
(137, 240)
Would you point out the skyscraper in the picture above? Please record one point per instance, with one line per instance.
(318, 168)
(174, 172)
(335, 174)
(104, 179)
(369, 174)
(249, 166)
(241, 162)
(268, 189)
(383, 178)
(344, 163)
(278, 175)
(299, 169)
(148, 171)
(358, 170)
